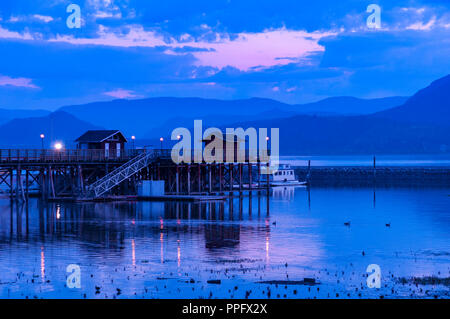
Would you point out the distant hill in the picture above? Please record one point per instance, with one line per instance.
(420, 125)
(8, 114)
(25, 133)
(149, 117)
(312, 135)
(347, 105)
(430, 105)
(138, 117)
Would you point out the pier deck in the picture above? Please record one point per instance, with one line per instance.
(73, 174)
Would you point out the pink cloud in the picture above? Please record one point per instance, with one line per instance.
(18, 82)
(6, 34)
(121, 94)
(258, 50)
(244, 51)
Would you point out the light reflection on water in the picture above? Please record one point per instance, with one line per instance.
(170, 250)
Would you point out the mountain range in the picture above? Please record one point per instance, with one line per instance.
(147, 117)
(339, 125)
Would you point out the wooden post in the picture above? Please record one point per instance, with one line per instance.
(250, 181)
(80, 179)
(11, 183)
(268, 177)
(241, 204)
(188, 178)
(220, 177)
(199, 178)
(240, 177)
(27, 182)
(210, 178)
(374, 167)
(51, 181)
(177, 182)
(259, 174)
(308, 175)
(42, 181)
(19, 183)
(230, 166)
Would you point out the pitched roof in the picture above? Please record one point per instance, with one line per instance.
(97, 136)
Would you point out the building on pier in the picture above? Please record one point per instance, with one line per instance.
(112, 142)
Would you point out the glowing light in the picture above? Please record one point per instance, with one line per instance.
(161, 139)
(133, 137)
(178, 137)
(179, 254)
(267, 138)
(161, 239)
(42, 263)
(133, 252)
(42, 135)
(58, 146)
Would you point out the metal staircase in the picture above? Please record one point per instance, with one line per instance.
(121, 173)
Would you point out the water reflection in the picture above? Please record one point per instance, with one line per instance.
(248, 236)
(109, 225)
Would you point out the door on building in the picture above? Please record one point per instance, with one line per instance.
(118, 149)
(106, 150)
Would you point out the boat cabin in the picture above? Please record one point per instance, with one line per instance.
(284, 174)
(111, 142)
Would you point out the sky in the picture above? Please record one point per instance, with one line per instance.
(293, 51)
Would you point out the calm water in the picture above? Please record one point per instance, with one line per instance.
(170, 250)
(439, 160)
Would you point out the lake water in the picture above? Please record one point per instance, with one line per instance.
(425, 160)
(171, 250)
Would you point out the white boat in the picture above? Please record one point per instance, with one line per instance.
(285, 176)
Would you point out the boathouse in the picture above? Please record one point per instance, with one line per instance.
(111, 142)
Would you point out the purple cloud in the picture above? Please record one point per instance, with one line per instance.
(121, 94)
(18, 82)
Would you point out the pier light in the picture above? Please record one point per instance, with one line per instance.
(161, 140)
(132, 139)
(58, 146)
(42, 140)
(178, 137)
(267, 138)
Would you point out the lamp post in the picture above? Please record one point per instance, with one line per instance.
(132, 139)
(161, 140)
(42, 140)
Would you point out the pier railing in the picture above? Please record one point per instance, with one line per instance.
(72, 155)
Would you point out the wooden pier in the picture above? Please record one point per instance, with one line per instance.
(59, 174)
